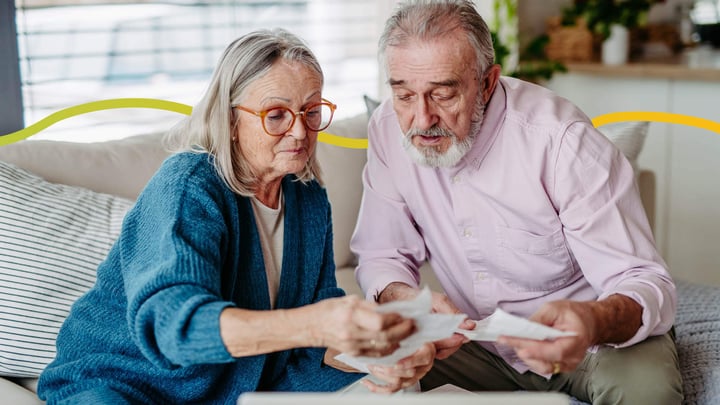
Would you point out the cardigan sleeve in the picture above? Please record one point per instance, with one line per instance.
(172, 248)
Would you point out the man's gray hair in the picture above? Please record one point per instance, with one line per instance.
(431, 19)
(213, 122)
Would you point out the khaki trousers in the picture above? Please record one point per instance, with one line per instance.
(645, 373)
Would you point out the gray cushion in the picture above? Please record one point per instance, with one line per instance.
(697, 327)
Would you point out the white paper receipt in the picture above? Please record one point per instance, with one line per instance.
(429, 327)
(501, 323)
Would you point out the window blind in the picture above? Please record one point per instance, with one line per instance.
(76, 51)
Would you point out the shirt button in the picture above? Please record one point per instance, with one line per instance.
(480, 276)
(467, 233)
(456, 179)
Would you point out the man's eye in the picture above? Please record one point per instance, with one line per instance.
(442, 97)
(403, 97)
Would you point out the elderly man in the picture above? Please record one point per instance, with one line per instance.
(518, 203)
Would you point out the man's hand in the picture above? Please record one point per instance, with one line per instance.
(613, 320)
(440, 304)
(406, 373)
(445, 348)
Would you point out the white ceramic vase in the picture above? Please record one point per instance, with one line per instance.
(616, 48)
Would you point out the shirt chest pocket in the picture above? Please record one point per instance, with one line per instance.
(533, 262)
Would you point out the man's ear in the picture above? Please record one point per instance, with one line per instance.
(489, 81)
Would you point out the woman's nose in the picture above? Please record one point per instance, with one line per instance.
(298, 129)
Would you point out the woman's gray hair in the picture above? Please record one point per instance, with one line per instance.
(213, 121)
(431, 19)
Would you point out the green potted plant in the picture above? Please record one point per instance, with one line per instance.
(600, 15)
(530, 64)
(611, 21)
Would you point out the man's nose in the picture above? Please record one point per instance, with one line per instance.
(425, 116)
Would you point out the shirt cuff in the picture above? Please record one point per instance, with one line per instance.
(374, 281)
(652, 317)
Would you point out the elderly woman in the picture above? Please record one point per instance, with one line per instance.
(222, 280)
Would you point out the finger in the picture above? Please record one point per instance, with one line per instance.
(367, 318)
(467, 324)
(528, 344)
(540, 366)
(378, 351)
(445, 353)
(549, 350)
(399, 331)
(422, 357)
(382, 343)
(391, 373)
(446, 347)
(546, 315)
(387, 388)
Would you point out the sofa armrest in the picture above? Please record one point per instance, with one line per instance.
(15, 394)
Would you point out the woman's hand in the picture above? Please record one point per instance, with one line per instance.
(351, 325)
(441, 304)
(406, 373)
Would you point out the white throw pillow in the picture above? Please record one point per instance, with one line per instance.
(629, 137)
(52, 238)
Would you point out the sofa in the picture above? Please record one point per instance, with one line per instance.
(62, 203)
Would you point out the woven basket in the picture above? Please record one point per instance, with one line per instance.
(569, 43)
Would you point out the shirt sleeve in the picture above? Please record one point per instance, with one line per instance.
(172, 258)
(606, 227)
(388, 245)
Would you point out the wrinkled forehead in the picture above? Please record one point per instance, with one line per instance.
(441, 57)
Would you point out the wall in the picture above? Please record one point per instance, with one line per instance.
(684, 159)
(11, 118)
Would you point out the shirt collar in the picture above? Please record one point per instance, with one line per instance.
(489, 130)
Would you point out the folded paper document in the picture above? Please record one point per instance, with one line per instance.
(500, 323)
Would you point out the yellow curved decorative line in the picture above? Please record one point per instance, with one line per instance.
(91, 107)
(326, 137)
(144, 103)
(350, 143)
(670, 118)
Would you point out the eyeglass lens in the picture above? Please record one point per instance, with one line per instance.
(316, 118)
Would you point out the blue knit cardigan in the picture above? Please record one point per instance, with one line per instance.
(148, 331)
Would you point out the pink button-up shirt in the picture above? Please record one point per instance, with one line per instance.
(543, 207)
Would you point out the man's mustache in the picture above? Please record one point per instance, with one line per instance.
(432, 131)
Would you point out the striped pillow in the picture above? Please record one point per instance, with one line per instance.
(52, 238)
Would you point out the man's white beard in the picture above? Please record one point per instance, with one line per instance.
(430, 156)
